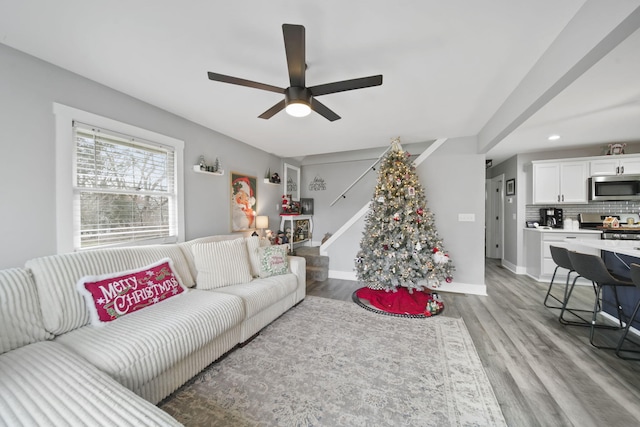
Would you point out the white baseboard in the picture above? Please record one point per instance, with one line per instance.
(463, 288)
(516, 269)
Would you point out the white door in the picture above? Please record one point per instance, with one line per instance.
(494, 217)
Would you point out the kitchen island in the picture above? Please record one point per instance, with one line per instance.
(538, 261)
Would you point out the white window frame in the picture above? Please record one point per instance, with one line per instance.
(65, 161)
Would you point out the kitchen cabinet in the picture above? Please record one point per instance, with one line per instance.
(560, 182)
(615, 165)
(539, 264)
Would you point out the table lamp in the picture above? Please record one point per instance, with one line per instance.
(262, 222)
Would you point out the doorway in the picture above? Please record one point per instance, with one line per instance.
(494, 214)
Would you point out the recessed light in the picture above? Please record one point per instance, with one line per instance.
(554, 137)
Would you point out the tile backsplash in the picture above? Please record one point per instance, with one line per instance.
(572, 211)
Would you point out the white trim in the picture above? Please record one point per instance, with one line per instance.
(462, 288)
(516, 269)
(65, 166)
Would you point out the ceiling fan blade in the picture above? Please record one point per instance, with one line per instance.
(345, 85)
(243, 82)
(294, 45)
(273, 110)
(323, 110)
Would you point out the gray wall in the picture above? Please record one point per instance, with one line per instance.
(28, 89)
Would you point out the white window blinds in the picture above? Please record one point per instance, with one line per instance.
(124, 189)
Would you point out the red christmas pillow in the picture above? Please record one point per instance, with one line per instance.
(114, 295)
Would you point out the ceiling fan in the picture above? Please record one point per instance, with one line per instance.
(299, 99)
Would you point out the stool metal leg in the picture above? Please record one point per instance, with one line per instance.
(575, 311)
(595, 325)
(549, 294)
(623, 338)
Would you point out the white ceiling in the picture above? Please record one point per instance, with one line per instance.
(447, 66)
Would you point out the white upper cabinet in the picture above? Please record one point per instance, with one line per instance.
(615, 165)
(560, 182)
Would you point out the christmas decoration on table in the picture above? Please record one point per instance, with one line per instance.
(400, 247)
(289, 207)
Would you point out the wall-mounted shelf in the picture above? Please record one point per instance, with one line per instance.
(267, 181)
(196, 168)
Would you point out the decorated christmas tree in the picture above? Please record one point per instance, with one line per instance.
(400, 246)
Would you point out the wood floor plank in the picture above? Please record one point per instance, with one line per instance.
(543, 373)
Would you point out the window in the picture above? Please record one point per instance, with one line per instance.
(122, 185)
(124, 188)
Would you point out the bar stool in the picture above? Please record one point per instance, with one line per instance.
(561, 257)
(635, 278)
(592, 268)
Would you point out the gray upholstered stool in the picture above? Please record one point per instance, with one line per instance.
(592, 268)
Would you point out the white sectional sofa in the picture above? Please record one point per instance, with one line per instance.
(58, 367)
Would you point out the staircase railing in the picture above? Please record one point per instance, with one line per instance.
(370, 168)
(347, 225)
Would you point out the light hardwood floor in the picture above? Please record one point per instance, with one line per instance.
(543, 373)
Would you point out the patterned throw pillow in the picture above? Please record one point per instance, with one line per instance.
(273, 260)
(114, 295)
(253, 244)
(221, 264)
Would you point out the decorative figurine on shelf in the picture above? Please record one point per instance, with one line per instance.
(269, 235)
(275, 178)
(281, 238)
(616, 149)
(203, 164)
(216, 165)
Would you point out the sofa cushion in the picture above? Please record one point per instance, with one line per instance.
(221, 263)
(45, 384)
(141, 345)
(20, 317)
(262, 293)
(273, 260)
(111, 296)
(187, 248)
(63, 308)
(254, 243)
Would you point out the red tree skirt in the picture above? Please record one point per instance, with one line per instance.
(401, 301)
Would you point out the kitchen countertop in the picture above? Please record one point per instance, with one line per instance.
(562, 230)
(624, 247)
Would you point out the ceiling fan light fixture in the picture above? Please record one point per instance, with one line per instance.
(298, 109)
(297, 101)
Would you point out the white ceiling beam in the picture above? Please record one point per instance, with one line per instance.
(597, 28)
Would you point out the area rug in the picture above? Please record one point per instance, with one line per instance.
(330, 363)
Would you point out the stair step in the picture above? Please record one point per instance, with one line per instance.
(317, 274)
(317, 261)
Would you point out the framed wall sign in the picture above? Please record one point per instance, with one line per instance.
(511, 187)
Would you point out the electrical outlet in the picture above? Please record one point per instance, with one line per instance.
(467, 217)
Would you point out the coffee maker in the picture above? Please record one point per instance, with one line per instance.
(551, 217)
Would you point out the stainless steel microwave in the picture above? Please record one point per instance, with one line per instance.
(614, 187)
